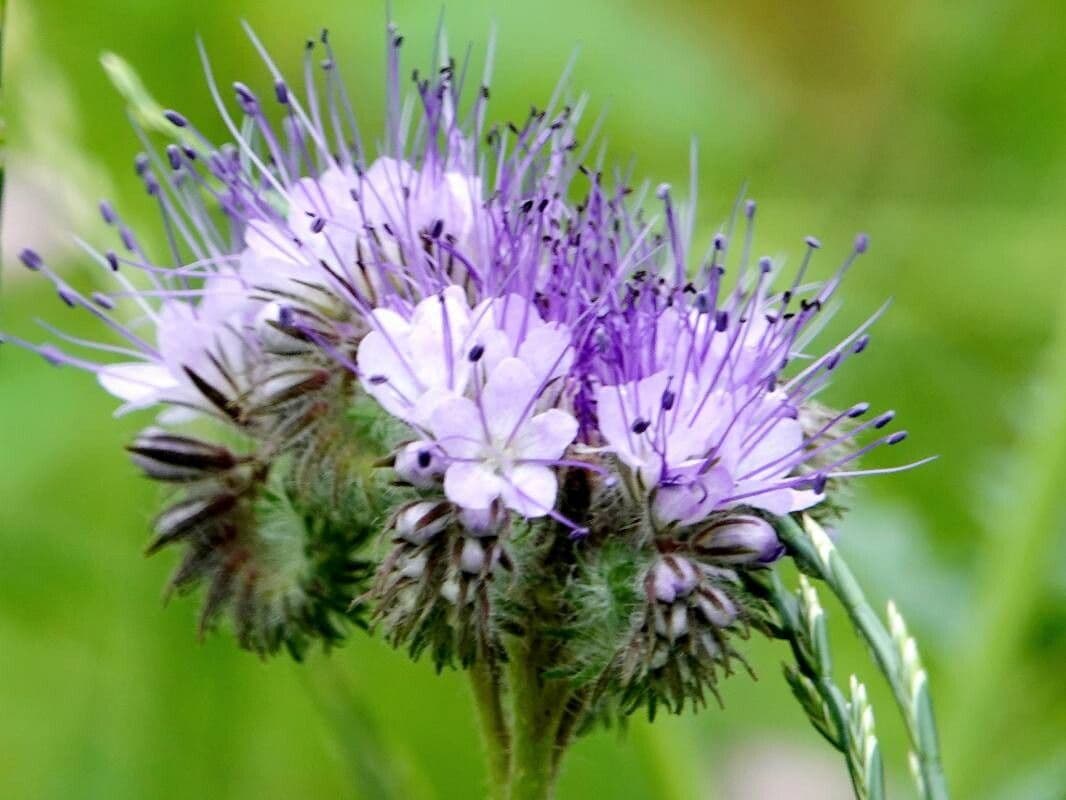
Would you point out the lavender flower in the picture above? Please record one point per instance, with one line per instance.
(498, 449)
(582, 436)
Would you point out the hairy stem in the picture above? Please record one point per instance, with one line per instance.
(816, 553)
(538, 710)
(486, 682)
(570, 720)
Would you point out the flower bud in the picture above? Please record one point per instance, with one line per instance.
(472, 558)
(739, 540)
(413, 566)
(419, 464)
(169, 457)
(481, 522)
(716, 607)
(673, 578)
(276, 337)
(420, 522)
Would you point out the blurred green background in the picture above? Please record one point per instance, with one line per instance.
(939, 128)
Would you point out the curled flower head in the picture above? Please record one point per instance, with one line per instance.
(568, 429)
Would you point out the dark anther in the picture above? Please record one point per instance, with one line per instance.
(174, 156)
(176, 119)
(31, 259)
(107, 212)
(640, 426)
(884, 419)
(476, 352)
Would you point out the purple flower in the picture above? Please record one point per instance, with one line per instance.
(412, 364)
(516, 335)
(377, 218)
(498, 448)
(691, 392)
(207, 339)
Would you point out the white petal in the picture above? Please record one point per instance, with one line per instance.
(546, 436)
(776, 501)
(381, 191)
(612, 418)
(515, 316)
(265, 240)
(507, 397)
(384, 367)
(139, 384)
(619, 407)
(530, 490)
(547, 351)
(464, 201)
(783, 438)
(802, 499)
(457, 426)
(471, 485)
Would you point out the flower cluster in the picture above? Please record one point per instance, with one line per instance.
(480, 346)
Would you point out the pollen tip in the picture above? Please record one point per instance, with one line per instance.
(858, 410)
(31, 259)
(175, 119)
(107, 212)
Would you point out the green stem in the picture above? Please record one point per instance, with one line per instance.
(912, 695)
(571, 718)
(485, 680)
(538, 707)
